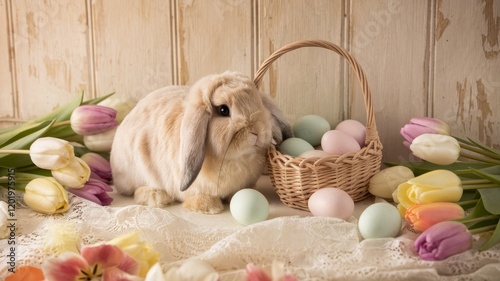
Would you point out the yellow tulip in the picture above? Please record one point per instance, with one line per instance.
(143, 252)
(74, 175)
(46, 195)
(434, 186)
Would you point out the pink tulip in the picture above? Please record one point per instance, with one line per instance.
(255, 273)
(443, 240)
(93, 119)
(423, 216)
(423, 125)
(95, 191)
(98, 262)
(100, 167)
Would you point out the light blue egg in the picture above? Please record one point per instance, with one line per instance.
(295, 146)
(379, 220)
(311, 128)
(249, 206)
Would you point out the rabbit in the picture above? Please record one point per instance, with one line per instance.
(197, 145)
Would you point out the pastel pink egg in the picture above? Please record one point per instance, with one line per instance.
(336, 142)
(331, 202)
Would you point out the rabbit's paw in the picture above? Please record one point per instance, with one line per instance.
(204, 204)
(153, 197)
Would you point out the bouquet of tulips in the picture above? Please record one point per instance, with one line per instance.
(454, 193)
(64, 151)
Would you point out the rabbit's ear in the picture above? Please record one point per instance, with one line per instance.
(194, 127)
(281, 128)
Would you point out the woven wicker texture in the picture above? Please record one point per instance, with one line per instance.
(295, 179)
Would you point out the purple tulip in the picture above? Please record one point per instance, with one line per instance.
(100, 167)
(95, 191)
(423, 125)
(443, 240)
(93, 119)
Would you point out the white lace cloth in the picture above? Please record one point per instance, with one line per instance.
(312, 248)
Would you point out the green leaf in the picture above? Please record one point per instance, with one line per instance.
(18, 160)
(61, 113)
(492, 178)
(460, 168)
(493, 153)
(98, 99)
(21, 132)
(478, 212)
(494, 239)
(491, 198)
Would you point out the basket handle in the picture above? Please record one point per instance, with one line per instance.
(371, 127)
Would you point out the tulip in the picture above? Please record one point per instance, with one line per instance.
(100, 167)
(95, 191)
(75, 175)
(434, 186)
(51, 153)
(100, 142)
(141, 251)
(121, 105)
(192, 270)
(26, 273)
(423, 125)
(4, 215)
(423, 216)
(437, 149)
(383, 183)
(254, 273)
(97, 262)
(46, 195)
(93, 119)
(443, 240)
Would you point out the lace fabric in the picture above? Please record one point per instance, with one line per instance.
(312, 248)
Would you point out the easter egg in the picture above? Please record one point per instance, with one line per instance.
(314, 153)
(295, 146)
(336, 142)
(385, 182)
(249, 206)
(353, 128)
(331, 202)
(311, 128)
(379, 220)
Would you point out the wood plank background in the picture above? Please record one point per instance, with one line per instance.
(438, 58)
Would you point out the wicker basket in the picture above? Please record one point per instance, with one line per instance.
(295, 178)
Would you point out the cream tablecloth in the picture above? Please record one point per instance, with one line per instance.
(312, 248)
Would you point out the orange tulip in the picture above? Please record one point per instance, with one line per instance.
(423, 216)
(26, 273)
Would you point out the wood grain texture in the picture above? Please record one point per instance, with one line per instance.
(438, 58)
(467, 81)
(389, 39)
(51, 56)
(213, 36)
(309, 80)
(132, 46)
(7, 95)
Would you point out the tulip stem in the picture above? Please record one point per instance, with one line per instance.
(483, 229)
(480, 219)
(479, 186)
(14, 151)
(60, 124)
(471, 182)
(463, 203)
(479, 151)
(481, 158)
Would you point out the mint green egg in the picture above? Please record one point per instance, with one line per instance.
(249, 206)
(295, 146)
(311, 128)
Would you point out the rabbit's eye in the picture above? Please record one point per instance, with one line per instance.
(224, 110)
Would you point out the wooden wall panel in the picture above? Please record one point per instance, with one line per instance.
(7, 104)
(467, 76)
(51, 57)
(308, 80)
(213, 36)
(132, 46)
(389, 40)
